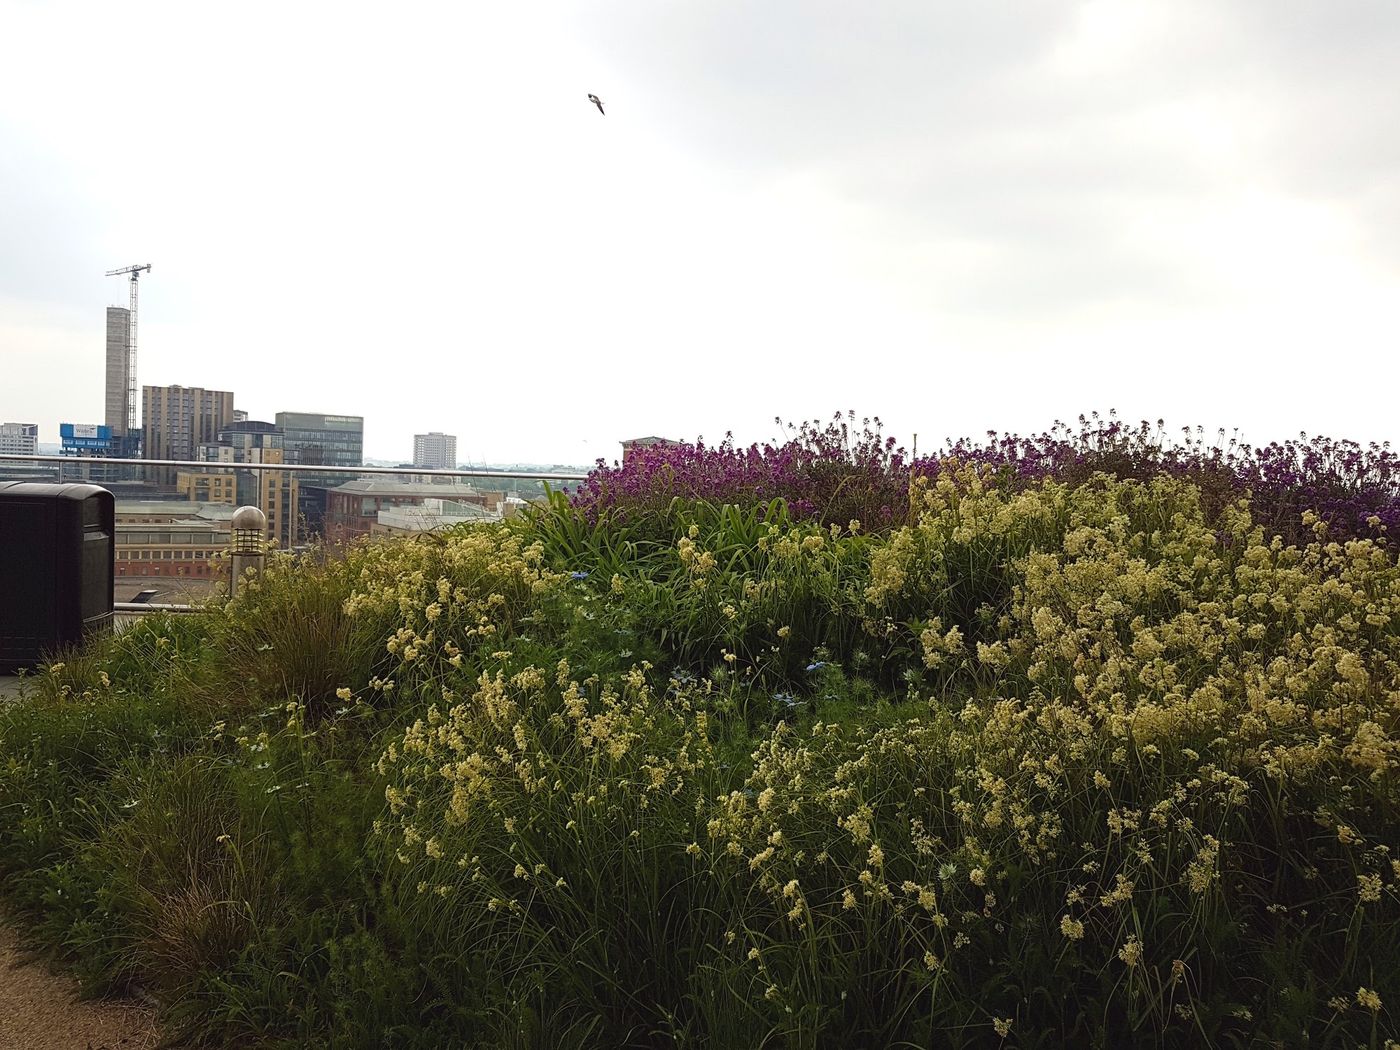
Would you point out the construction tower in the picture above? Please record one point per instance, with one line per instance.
(131, 388)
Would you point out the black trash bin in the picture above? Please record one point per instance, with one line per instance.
(57, 557)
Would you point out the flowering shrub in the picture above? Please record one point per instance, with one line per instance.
(1170, 755)
(432, 602)
(1342, 482)
(833, 474)
(828, 473)
(1090, 755)
(1151, 753)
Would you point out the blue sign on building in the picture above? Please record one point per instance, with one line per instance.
(91, 439)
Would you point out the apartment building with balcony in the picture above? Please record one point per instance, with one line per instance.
(176, 420)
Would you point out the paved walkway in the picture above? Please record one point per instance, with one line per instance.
(41, 1011)
(9, 687)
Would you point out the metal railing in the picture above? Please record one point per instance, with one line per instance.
(124, 613)
(212, 466)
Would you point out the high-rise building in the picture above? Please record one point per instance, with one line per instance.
(176, 420)
(118, 409)
(19, 439)
(316, 439)
(435, 451)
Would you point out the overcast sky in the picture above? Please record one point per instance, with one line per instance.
(957, 216)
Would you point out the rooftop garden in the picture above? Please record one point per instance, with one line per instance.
(1089, 738)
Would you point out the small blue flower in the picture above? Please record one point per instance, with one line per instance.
(816, 666)
(784, 699)
(578, 575)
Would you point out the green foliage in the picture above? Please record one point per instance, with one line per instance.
(1054, 764)
(287, 634)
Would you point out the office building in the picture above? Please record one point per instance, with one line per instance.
(176, 420)
(316, 439)
(19, 439)
(311, 438)
(435, 451)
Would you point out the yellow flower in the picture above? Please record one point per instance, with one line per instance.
(1131, 952)
(1072, 928)
(1369, 887)
(1002, 1026)
(1367, 998)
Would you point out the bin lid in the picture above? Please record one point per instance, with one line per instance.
(42, 490)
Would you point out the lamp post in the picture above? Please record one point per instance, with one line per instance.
(248, 544)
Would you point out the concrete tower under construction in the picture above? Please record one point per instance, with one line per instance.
(118, 361)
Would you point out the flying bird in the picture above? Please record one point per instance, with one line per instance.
(597, 102)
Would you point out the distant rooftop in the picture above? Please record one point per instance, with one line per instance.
(440, 515)
(393, 487)
(179, 508)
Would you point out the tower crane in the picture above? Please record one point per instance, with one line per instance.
(135, 272)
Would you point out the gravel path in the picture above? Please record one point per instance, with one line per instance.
(41, 1011)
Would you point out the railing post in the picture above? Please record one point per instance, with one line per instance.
(248, 544)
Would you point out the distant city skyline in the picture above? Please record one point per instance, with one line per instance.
(957, 217)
